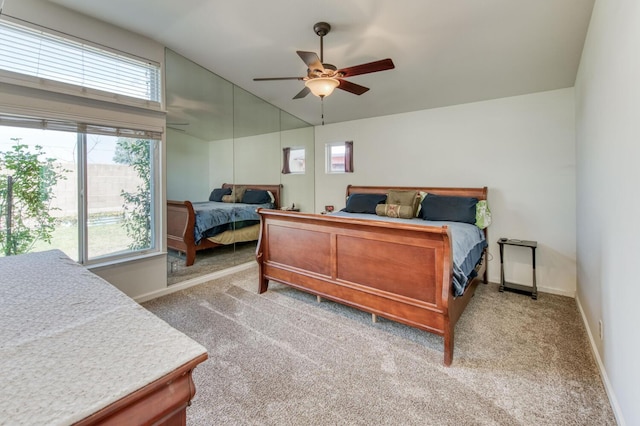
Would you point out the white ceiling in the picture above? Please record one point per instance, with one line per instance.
(446, 52)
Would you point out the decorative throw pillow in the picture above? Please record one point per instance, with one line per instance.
(256, 196)
(483, 214)
(450, 208)
(404, 198)
(395, 210)
(237, 192)
(228, 199)
(364, 203)
(218, 193)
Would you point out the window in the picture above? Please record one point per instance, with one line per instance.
(101, 206)
(43, 59)
(73, 181)
(339, 157)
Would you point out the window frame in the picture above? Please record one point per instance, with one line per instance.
(329, 156)
(82, 184)
(298, 148)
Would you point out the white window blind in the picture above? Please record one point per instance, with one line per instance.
(47, 56)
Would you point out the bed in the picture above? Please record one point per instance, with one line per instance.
(400, 270)
(192, 226)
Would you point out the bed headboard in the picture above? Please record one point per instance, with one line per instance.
(479, 193)
(275, 189)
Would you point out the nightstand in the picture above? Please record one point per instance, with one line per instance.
(518, 288)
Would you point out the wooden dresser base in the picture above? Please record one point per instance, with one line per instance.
(163, 402)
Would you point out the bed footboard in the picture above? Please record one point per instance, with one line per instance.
(181, 219)
(399, 272)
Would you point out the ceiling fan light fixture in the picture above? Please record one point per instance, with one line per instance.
(322, 86)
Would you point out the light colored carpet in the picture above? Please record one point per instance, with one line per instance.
(281, 358)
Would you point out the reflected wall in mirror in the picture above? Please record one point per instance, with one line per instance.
(256, 143)
(256, 140)
(218, 133)
(199, 129)
(199, 139)
(298, 188)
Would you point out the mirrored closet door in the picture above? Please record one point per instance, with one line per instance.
(221, 135)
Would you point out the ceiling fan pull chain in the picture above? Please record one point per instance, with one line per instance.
(322, 108)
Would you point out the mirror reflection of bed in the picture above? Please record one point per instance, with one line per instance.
(221, 232)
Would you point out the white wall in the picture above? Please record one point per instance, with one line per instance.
(608, 205)
(522, 148)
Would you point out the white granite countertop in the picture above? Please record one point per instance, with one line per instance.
(71, 343)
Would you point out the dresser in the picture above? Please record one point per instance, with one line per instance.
(76, 350)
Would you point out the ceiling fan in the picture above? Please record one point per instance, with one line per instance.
(322, 79)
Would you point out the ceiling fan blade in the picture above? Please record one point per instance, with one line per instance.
(352, 87)
(312, 60)
(382, 65)
(278, 78)
(301, 94)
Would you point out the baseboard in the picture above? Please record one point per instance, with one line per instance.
(603, 373)
(194, 281)
(571, 294)
(549, 290)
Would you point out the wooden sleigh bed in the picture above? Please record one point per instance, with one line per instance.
(402, 272)
(181, 220)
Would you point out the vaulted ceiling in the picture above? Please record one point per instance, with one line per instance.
(445, 52)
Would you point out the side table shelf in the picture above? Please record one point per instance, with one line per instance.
(518, 288)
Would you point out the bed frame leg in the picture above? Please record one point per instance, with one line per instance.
(263, 285)
(318, 299)
(485, 276)
(190, 256)
(374, 318)
(448, 347)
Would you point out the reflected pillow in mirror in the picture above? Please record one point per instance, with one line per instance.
(256, 196)
(218, 193)
(237, 193)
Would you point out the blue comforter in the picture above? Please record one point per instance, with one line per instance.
(213, 214)
(467, 242)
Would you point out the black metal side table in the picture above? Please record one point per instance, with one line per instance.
(518, 288)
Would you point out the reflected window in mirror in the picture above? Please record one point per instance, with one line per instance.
(293, 160)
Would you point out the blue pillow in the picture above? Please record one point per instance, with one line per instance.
(218, 193)
(364, 203)
(256, 196)
(450, 208)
